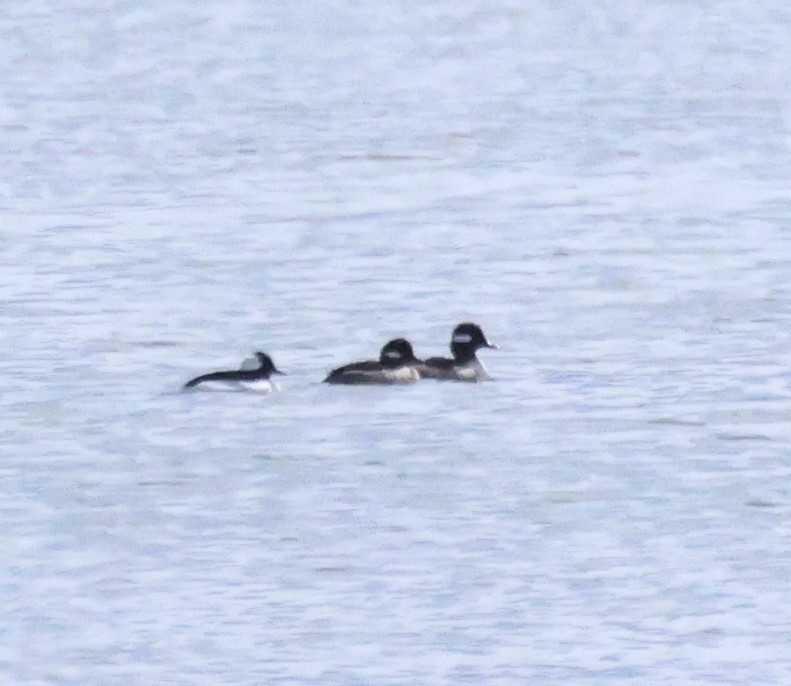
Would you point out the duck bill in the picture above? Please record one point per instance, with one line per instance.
(277, 371)
(492, 346)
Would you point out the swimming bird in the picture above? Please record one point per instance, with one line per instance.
(246, 378)
(466, 340)
(397, 364)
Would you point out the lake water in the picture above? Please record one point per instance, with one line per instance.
(604, 187)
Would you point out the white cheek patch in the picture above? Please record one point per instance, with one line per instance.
(462, 338)
(392, 355)
(249, 364)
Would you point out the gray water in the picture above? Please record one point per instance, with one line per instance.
(604, 187)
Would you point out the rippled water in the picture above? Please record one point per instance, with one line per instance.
(604, 187)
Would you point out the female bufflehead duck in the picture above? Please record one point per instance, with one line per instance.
(246, 378)
(397, 364)
(467, 338)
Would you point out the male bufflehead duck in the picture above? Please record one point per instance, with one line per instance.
(246, 378)
(467, 338)
(397, 364)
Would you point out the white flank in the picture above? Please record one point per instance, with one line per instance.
(260, 386)
(231, 386)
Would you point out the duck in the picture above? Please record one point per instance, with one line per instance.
(467, 338)
(248, 377)
(397, 364)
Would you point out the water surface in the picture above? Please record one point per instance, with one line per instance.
(603, 187)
